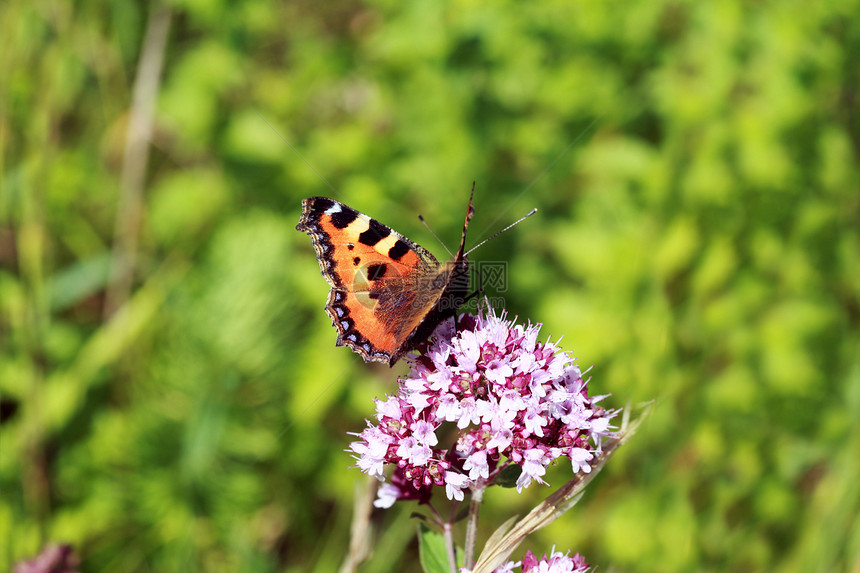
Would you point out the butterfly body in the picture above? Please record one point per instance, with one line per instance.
(388, 294)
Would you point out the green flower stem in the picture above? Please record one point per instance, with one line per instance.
(449, 546)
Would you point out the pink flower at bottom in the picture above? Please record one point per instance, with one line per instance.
(557, 562)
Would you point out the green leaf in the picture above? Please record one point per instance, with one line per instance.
(431, 544)
(508, 477)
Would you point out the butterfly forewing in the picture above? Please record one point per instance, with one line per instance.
(384, 286)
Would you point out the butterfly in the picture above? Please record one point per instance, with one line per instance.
(388, 294)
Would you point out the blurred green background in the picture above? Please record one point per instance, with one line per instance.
(696, 169)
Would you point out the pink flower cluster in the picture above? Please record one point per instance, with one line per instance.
(557, 562)
(497, 396)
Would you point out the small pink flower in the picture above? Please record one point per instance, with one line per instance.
(534, 466)
(477, 465)
(579, 458)
(454, 484)
(386, 496)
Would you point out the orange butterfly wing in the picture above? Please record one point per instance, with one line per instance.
(385, 288)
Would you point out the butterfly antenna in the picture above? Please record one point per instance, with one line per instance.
(493, 236)
(420, 218)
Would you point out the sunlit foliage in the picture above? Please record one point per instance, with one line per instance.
(695, 165)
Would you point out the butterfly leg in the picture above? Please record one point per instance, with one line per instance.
(479, 290)
(470, 296)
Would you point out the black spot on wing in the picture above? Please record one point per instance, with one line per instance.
(320, 205)
(344, 217)
(399, 249)
(375, 233)
(376, 272)
(356, 260)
